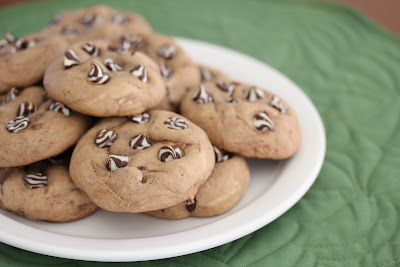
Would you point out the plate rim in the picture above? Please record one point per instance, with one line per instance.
(173, 250)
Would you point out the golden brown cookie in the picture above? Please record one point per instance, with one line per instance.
(244, 119)
(43, 191)
(145, 162)
(24, 60)
(223, 189)
(94, 80)
(34, 127)
(98, 22)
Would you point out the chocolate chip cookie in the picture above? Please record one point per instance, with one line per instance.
(95, 80)
(244, 119)
(22, 60)
(176, 67)
(34, 127)
(98, 22)
(43, 191)
(208, 74)
(143, 162)
(223, 189)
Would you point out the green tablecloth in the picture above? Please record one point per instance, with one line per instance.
(350, 68)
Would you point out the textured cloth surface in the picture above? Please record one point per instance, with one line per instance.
(350, 69)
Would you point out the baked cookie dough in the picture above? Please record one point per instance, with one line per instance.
(98, 22)
(24, 60)
(244, 119)
(223, 189)
(95, 80)
(144, 162)
(178, 70)
(43, 191)
(34, 127)
(208, 74)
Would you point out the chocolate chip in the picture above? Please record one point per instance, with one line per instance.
(227, 87)
(111, 65)
(60, 108)
(90, 19)
(254, 94)
(165, 72)
(263, 122)
(69, 31)
(119, 19)
(190, 205)
(202, 96)
(91, 49)
(140, 72)
(233, 100)
(278, 104)
(11, 95)
(167, 52)
(140, 142)
(105, 138)
(70, 59)
(98, 75)
(175, 123)
(221, 155)
(205, 75)
(17, 124)
(35, 180)
(7, 40)
(56, 19)
(141, 118)
(115, 162)
(25, 109)
(168, 153)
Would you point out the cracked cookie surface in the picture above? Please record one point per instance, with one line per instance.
(143, 162)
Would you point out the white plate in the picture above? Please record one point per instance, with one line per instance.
(274, 188)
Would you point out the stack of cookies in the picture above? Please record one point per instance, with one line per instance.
(97, 110)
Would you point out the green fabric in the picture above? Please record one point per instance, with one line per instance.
(350, 68)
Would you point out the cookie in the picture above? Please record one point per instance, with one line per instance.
(98, 22)
(165, 104)
(33, 127)
(176, 67)
(208, 74)
(143, 162)
(22, 60)
(244, 119)
(94, 80)
(43, 191)
(223, 189)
